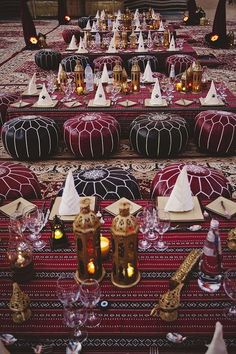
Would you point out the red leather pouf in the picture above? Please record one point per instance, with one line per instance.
(180, 61)
(92, 135)
(205, 182)
(18, 181)
(69, 32)
(5, 100)
(215, 131)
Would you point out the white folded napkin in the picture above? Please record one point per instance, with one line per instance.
(3, 349)
(137, 24)
(70, 202)
(97, 15)
(118, 17)
(156, 98)
(211, 97)
(81, 48)
(147, 75)
(100, 97)
(140, 43)
(136, 14)
(112, 48)
(32, 88)
(180, 199)
(44, 99)
(94, 26)
(60, 69)
(88, 25)
(217, 345)
(172, 43)
(72, 45)
(103, 15)
(105, 76)
(161, 27)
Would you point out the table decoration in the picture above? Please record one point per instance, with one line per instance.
(133, 39)
(223, 207)
(197, 77)
(61, 78)
(72, 45)
(117, 74)
(135, 77)
(124, 231)
(86, 228)
(19, 305)
(58, 236)
(231, 239)
(127, 103)
(114, 208)
(79, 77)
(105, 246)
(16, 205)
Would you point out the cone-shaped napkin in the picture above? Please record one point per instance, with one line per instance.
(59, 73)
(94, 26)
(161, 27)
(180, 199)
(81, 48)
(103, 15)
(136, 14)
(112, 48)
(140, 43)
(88, 26)
(105, 76)
(44, 98)
(72, 45)
(70, 204)
(32, 88)
(217, 345)
(156, 98)
(137, 24)
(118, 17)
(211, 97)
(147, 75)
(172, 44)
(97, 15)
(100, 97)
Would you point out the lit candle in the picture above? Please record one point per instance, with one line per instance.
(105, 245)
(135, 88)
(20, 260)
(58, 234)
(178, 86)
(80, 90)
(91, 267)
(130, 270)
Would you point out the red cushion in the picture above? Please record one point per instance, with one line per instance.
(215, 131)
(92, 135)
(205, 182)
(69, 32)
(18, 181)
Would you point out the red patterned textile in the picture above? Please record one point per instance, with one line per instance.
(92, 135)
(205, 182)
(215, 131)
(180, 61)
(126, 326)
(18, 181)
(110, 60)
(69, 32)
(5, 100)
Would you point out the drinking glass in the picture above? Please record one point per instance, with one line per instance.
(68, 290)
(34, 221)
(170, 87)
(229, 284)
(17, 222)
(151, 220)
(162, 225)
(115, 90)
(143, 244)
(90, 294)
(76, 318)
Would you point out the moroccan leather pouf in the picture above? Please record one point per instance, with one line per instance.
(109, 60)
(5, 100)
(92, 135)
(106, 183)
(18, 181)
(159, 134)
(205, 182)
(69, 63)
(30, 137)
(47, 59)
(180, 61)
(215, 131)
(69, 32)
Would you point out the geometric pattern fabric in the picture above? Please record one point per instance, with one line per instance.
(106, 183)
(159, 134)
(18, 181)
(142, 62)
(181, 62)
(30, 137)
(69, 63)
(110, 61)
(92, 135)
(215, 131)
(205, 182)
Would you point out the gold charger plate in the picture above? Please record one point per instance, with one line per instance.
(91, 104)
(114, 207)
(56, 205)
(217, 208)
(36, 105)
(187, 216)
(148, 104)
(11, 207)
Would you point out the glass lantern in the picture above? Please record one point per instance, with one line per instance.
(79, 77)
(197, 78)
(124, 231)
(117, 74)
(135, 77)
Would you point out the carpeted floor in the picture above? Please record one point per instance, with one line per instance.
(17, 66)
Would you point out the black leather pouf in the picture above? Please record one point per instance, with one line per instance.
(30, 137)
(47, 59)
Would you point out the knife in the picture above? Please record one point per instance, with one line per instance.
(227, 215)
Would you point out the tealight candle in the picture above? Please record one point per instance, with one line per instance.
(178, 86)
(105, 246)
(80, 90)
(91, 267)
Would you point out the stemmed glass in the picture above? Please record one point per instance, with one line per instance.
(169, 91)
(229, 284)
(162, 225)
(143, 244)
(17, 222)
(68, 290)
(115, 93)
(51, 78)
(151, 220)
(221, 89)
(76, 318)
(90, 294)
(34, 221)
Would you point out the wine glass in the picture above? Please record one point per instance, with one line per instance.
(162, 225)
(76, 318)
(229, 284)
(143, 244)
(151, 219)
(115, 90)
(34, 221)
(17, 222)
(68, 290)
(90, 294)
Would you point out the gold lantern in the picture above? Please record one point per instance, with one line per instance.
(62, 79)
(79, 77)
(19, 305)
(124, 231)
(86, 228)
(117, 74)
(166, 38)
(116, 39)
(135, 77)
(124, 39)
(197, 78)
(133, 40)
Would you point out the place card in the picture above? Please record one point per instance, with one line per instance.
(203, 103)
(223, 207)
(38, 105)
(92, 104)
(56, 205)
(19, 204)
(127, 103)
(183, 102)
(187, 216)
(147, 103)
(72, 104)
(114, 207)
(20, 104)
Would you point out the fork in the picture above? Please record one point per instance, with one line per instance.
(153, 350)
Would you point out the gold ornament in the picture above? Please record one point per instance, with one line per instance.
(19, 304)
(231, 240)
(135, 77)
(117, 74)
(79, 76)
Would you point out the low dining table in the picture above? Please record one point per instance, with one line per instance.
(126, 326)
